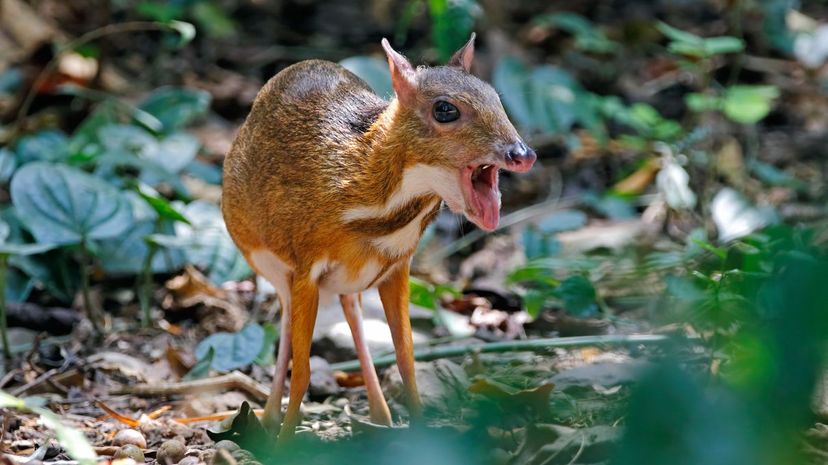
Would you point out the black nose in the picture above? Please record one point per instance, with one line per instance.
(519, 157)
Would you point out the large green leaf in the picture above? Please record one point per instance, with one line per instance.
(510, 80)
(172, 153)
(127, 252)
(372, 70)
(452, 22)
(233, 350)
(47, 145)
(545, 99)
(176, 107)
(63, 205)
(578, 296)
(208, 244)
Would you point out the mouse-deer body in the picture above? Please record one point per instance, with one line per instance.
(328, 188)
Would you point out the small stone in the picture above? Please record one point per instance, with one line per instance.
(227, 445)
(223, 457)
(189, 460)
(130, 436)
(207, 455)
(242, 455)
(170, 452)
(129, 451)
(322, 381)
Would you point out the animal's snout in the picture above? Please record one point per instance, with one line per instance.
(519, 157)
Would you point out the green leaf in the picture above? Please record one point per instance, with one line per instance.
(176, 107)
(564, 220)
(774, 176)
(208, 244)
(452, 22)
(510, 80)
(702, 102)
(185, 30)
(25, 249)
(63, 205)
(685, 43)
(422, 293)
(271, 335)
(372, 70)
(678, 35)
(233, 350)
(578, 296)
(126, 138)
(159, 11)
(723, 45)
(162, 206)
(8, 164)
(47, 145)
(749, 104)
(18, 285)
(202, 368)
(587, 36)
(126, 253)
(171, 154)
(212, 19)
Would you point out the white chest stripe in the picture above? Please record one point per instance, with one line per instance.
(418, 180)
(403, 240)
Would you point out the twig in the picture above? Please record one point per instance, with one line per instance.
(35, 382)
(215, 417)
(111, 412)
(511, 346)
(234, 380)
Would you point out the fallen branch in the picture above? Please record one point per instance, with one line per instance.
(435, 353)
(233, 380)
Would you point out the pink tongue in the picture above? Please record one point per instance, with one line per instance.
(487, 203)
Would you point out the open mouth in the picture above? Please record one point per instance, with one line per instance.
(482, 195)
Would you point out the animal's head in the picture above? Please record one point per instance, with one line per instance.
(456, 124)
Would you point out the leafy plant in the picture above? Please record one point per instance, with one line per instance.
(588, 37)
(96, 196)
(228, 351)
(691, 45)
(452, 22)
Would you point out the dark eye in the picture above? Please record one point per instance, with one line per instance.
(445, 112)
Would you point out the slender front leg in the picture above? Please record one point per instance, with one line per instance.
(394, 295)
(378, 408)
(273, 407)
(304, 298)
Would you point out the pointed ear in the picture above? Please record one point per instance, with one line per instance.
(403, 76)
(463, 58)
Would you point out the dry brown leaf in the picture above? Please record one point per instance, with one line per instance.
(640, 180)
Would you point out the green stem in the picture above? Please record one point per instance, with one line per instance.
(145, 287)
(3, 319)
(510, 346)
(87, 300)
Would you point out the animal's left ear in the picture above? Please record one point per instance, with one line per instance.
(463, 58)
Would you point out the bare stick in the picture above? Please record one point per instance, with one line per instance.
(425, 355)
(234, 380)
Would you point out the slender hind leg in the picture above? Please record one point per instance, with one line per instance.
(394, 295)
(352, 307)
(304, 298)
(273, 407)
